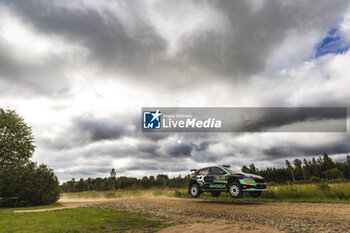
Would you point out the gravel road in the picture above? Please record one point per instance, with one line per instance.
(196, 215)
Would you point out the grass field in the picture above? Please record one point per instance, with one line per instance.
(322, 192)
(79, 220)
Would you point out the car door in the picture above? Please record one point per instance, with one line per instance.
(206, 178)
(202, 177)
(209, 178)
(217, 177)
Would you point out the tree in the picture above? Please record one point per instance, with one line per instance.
(327, 162)
(298, 169)
(19, 177)
(16, 139)
(291, 169)
(245, 169)
(113, 173)
(252, 168)
(145, 182)
(307, 169)
(32, 184)
(333, 173)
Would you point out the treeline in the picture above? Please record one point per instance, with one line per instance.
(123, 182)
(313, 170)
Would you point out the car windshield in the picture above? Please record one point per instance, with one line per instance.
(232, 170)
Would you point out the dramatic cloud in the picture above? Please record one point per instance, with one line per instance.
(80, 71)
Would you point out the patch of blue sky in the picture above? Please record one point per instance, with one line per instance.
(332, 43)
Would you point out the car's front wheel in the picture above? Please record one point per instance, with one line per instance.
(255, 193)
(235, 190)
(194, 190)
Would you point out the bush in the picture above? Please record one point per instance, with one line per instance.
(177, 193)
(32, 184)
(340, 194)
(334, 173)
(272, 183)
(315, 179)
(323, 187)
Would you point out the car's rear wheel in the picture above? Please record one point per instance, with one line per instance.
(194, 190)
(235, 190)
(255, 193)
(215, 193)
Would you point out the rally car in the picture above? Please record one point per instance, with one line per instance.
(222, 178)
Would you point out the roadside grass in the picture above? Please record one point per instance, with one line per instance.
(54, 205)
(314, 193)
(321, 192)
(79, 220)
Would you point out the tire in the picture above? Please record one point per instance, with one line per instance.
(235, 190)
(194, 191)
(255, 194)
(215, 193)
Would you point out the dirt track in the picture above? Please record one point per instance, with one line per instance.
(195, 215)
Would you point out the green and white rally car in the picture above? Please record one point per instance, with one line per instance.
(222, 178)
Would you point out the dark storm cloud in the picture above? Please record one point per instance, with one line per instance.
(277, 117)
(154, 166)
(290, 151)
(252, 35)
(101, 129)
(150, 148)
(204, 145)
(110, 41)
(86, 129)
(135, 46)
(86, 171)
(42, 77)
(180, 149)
(142, 167)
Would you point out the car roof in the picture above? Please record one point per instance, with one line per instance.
(219, 166)
(210, 167)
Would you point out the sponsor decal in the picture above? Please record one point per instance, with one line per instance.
(248, 182)
(218, 186)
(200, 179)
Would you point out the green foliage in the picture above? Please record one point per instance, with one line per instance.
(123, 182)
(32, 184)
(333, 173)
(302, 172)
(315, 179)
(323, 187)
(177, 193)
(19, 177)
(79, 220)
(16, 139)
